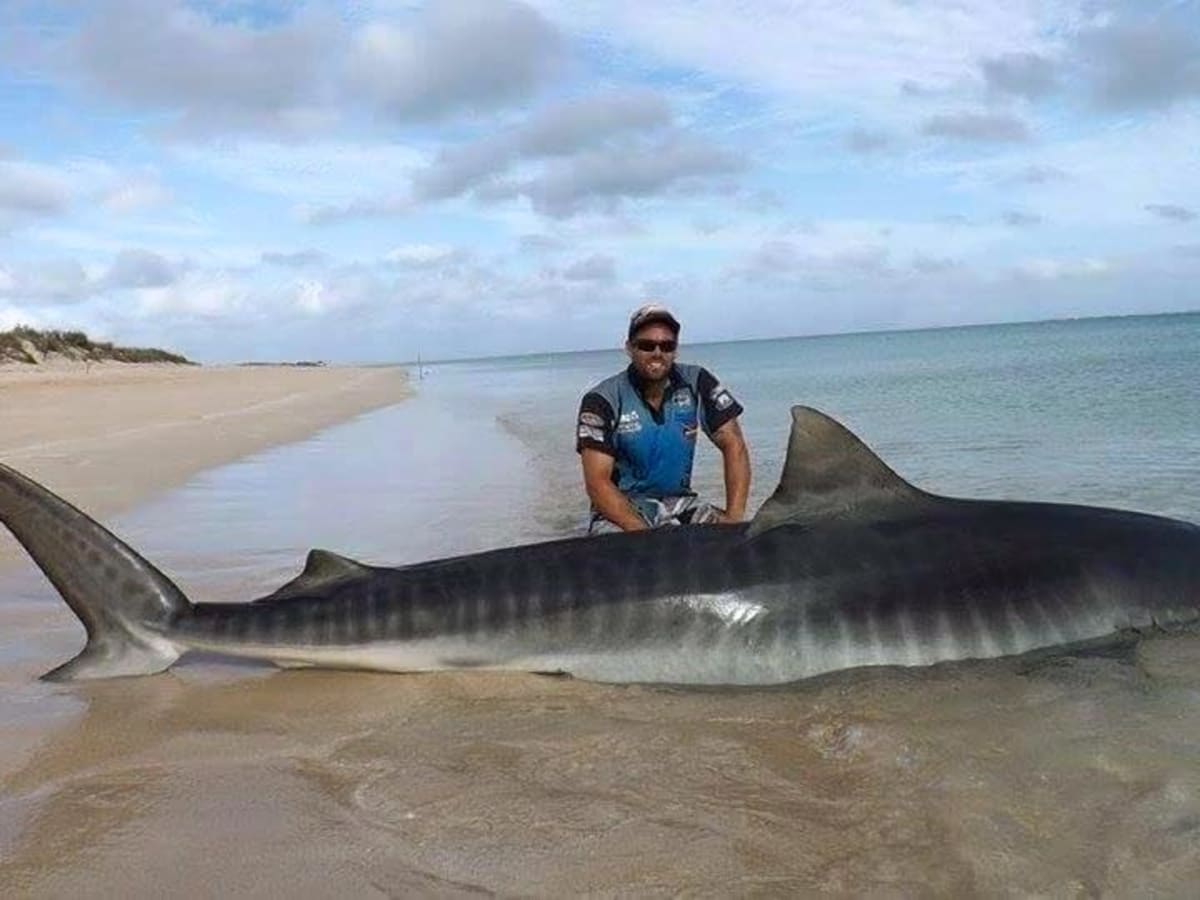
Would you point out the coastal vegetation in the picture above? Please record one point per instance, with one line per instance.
(30, 345)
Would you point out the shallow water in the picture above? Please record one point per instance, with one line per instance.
(1072, 776)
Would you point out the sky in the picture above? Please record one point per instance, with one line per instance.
(367, 181)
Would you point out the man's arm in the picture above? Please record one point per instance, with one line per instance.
(736, 456)
(595, 441)
(609, 502)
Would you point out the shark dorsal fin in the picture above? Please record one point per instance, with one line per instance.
(324, 565)
(830, 472)
(321, 569)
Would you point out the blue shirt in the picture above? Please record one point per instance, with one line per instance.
(653, 450)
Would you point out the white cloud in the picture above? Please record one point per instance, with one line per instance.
(205, 294)
(1142, 64)
(865, 140)
(213, 74)
(821, 270)
(424, 256)
(48, 282)
(140, 269)
(137, 195)
(541, 244)
(1097, 175)
(314, 297)
(1015, 218)
(1033, 174)
(566, 159)
(1045, 269)
(559, 130)
(826, 51)
(983, 127)
(30, 189)
(1023, 74)
(1172, 212)
(597, 267)
(298, 259)
(312, 174)
(604, 178)
(456, 55)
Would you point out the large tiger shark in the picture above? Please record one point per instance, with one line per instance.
(846, 565)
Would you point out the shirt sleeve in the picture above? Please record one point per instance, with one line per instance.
(718, 404)
(596, 426)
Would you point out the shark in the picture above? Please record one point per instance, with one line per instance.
(846, 565)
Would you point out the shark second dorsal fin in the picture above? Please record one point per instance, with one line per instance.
(321, 569)
(324, 565)
(829, 472)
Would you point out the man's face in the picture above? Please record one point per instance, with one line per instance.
(646, 348)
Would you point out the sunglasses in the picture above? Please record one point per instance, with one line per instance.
(649, 346)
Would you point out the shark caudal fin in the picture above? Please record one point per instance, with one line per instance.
(124, 603)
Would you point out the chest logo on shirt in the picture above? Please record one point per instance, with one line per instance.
(682, 398)
(629, 422)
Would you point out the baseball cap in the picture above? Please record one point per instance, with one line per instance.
(650, 314)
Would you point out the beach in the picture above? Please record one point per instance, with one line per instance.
(109, 435)
(1061, 777)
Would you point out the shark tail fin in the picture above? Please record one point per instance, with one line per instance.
(125, 604)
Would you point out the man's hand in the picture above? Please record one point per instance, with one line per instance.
(722, 517)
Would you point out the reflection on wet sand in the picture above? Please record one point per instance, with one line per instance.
(1069, 776)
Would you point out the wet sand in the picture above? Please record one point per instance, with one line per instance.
(109, 435)
(1077, 778)
(1059, 777)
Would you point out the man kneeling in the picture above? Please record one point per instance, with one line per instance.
(636, 436)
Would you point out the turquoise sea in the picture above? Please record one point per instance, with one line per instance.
(1078, 777)
(1098, 411)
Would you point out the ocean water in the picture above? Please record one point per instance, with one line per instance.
(1079, 776)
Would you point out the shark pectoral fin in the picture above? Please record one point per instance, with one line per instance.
(829, 472)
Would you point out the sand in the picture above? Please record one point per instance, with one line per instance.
(1076, 777)
(110, 435)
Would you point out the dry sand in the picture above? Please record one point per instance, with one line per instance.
(109, 435)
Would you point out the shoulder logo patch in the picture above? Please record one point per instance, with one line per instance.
(587, 432)
(720, 397)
